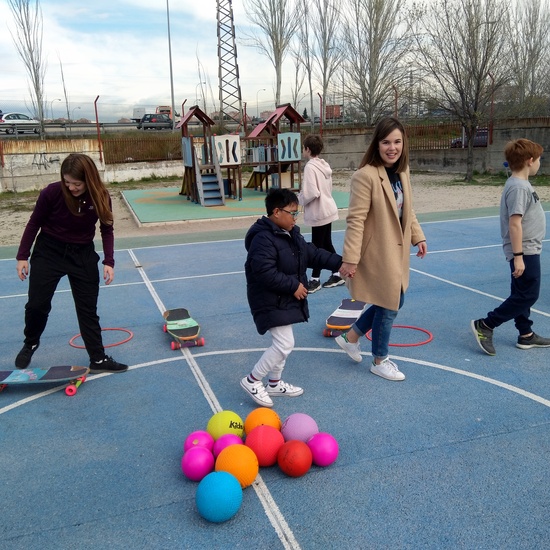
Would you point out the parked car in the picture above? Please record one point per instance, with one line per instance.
(10, 122)
(155, 121)
(481, 139)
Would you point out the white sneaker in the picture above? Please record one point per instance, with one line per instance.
(285, 389)
(387, 369)
(257, 391)
(353, 350)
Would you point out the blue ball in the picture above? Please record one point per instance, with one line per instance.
(219, 497)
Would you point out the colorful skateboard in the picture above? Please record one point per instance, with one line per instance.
(47, 375)
(183, 329)
(343, 317)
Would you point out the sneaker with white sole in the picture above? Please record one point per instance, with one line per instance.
(533, 341)
(333, 280)
(313, 286)
(257, 391)
(284, 389)
(353, 350)
(387, 369)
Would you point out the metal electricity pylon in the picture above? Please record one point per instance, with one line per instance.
(228, 68)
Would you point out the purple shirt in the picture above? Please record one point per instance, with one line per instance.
(52, 217)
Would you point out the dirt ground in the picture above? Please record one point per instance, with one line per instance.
(432, 193)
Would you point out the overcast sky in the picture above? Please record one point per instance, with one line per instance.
(118, 49)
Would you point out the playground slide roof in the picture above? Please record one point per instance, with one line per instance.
(271, 124)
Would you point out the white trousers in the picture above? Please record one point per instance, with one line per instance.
(273, 360)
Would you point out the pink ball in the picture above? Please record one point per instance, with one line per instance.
(299, 426)
(200, 438)
(196, 463)
(224, 441)
(324, 449)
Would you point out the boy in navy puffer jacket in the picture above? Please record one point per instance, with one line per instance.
(278, 257)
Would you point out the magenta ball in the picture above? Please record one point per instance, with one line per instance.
(324, 449)
(224, 441)
(299, 426)
(200, 438)
(197, 462)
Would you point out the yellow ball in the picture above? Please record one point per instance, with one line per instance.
(240, 461)
(225, 422)
(262, 417)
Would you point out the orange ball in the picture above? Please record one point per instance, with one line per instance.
(294, 458)
(265, 441)
(262, 416)
(240, 461)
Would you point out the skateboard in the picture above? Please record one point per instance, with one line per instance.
(44, 375)
(343, 317)
(183, 329)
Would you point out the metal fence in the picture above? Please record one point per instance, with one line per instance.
(123, 150)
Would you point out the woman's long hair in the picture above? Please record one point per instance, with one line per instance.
(82, 168)
(383, 129)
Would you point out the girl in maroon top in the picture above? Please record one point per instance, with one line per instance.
(62, 228)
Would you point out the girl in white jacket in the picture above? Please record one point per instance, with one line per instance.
(320, 209)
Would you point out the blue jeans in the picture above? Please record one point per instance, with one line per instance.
(380, 320)
(524, 292)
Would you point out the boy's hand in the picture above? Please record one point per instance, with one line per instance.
(519, 267)
(301, 292)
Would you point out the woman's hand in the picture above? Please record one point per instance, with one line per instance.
(22, 269)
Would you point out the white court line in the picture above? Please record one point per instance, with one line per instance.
(470, 289)
(276, 518)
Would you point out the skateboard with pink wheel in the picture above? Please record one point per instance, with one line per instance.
(46, 375)
(183, 328)
(343, 317)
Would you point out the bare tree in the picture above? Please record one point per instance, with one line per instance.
(28, 42)
(376, 41)
(277, 21)
(326, 26)
(529, 32)
(303, 49)
(462, 45)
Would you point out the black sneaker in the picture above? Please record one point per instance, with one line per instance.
(23, 359)
(107, 364)
(484, 336)
(533, 341)
(313, 286)
(332, 281)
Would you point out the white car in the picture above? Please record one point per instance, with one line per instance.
(10, 122)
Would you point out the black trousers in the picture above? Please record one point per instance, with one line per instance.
(321, 237)
(524, 292)
(51, 260)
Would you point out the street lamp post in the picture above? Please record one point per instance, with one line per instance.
(197, 98)
(72, 113)
(257, 107)
(51, 105)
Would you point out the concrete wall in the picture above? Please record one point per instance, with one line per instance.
(32, 164)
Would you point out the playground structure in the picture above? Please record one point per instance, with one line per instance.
(267, 150)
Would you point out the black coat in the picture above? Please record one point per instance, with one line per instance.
(275, 266)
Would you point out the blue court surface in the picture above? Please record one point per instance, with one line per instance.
(456, 456)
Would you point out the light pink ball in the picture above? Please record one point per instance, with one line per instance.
(300, 427)
(324, 449)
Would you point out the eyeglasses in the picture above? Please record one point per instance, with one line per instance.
(294, 213)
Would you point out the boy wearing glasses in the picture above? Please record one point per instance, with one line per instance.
(276, 283)
(522, 226)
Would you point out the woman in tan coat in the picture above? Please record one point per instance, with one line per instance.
(381, 227)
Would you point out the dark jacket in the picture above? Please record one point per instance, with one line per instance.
(275, 266)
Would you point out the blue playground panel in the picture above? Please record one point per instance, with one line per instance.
(454, 457)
